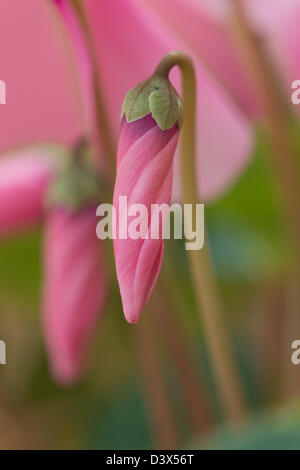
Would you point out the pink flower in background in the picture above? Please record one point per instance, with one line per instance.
(36, 64)
(43, 105)
(144, 175)
(205, 26)
(24, 178)
(75, 280)
(75, 288)
(277, 23)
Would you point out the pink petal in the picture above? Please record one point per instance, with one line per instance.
(208, 37)
(278, 25)
(289, 38)
(24, 179)
(266, 17)
(144, 175)
(41, 100)
(75, 288)
(134, 43)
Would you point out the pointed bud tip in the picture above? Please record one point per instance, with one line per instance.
(65, 377)
(132, 319)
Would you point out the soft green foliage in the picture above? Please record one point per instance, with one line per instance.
(270, 431)
(129, 410)
(246, 224)
(20, 269)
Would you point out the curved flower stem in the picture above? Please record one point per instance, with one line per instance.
(202, 273)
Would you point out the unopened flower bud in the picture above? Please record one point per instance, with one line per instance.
(150, 121)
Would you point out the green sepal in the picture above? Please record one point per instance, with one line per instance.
(155, 96)
(77, 184)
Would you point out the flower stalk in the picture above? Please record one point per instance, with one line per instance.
(202, 273)
(104, 128)
(197, 404)
(155, 392)
(278, 120)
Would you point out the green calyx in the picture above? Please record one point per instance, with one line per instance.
(155, 96)
(77, 184)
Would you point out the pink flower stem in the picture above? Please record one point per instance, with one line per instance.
(202, 273)
(105, 133)
(278, 124)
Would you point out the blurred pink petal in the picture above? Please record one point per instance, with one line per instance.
(24, 179)
(266, 17)
(277, 22)
(42, 103)
(130, 42)
(290, 43)
(75, 287)
(209, 39)
(144, 175)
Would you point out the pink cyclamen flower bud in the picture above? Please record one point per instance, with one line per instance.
(147, 143)
(74, 289)
(24, 178)
(75, 281)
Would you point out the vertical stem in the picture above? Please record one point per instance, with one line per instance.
(277, 119)
(68, 51)
(202, 273)
(197, 403)
(154, 390)
(104, 127)
(265, 326)
(284, 158)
